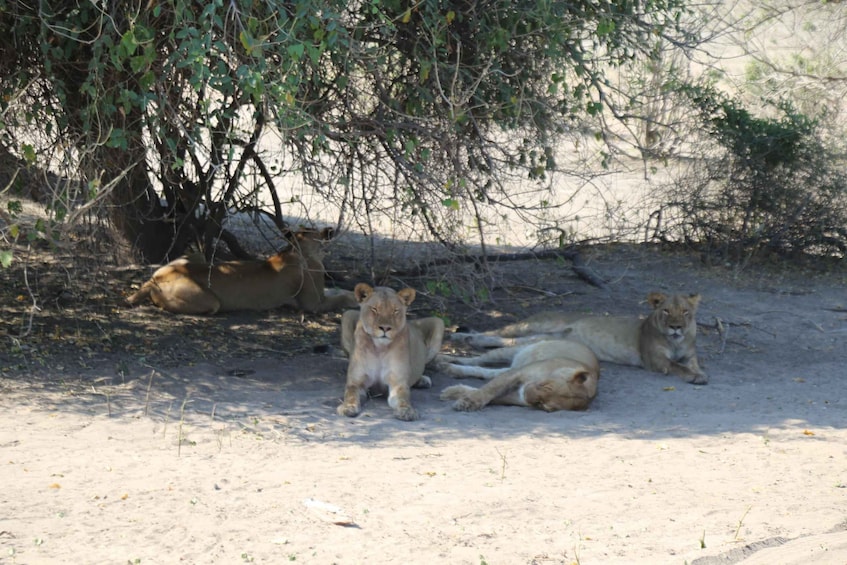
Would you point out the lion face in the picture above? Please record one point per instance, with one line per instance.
(383, 311)
(564, 389)
(309, 242)
(673, 316)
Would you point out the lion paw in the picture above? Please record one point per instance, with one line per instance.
(455, 392)
(699, 379)
(461, 336)
(406, 413)
(442, 362)
(464, 396)
(423, 382)
(349, 410)
(468, 404)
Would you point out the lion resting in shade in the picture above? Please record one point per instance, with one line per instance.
(664, 341)
(386, 350)
(293, 277)
(550, 375)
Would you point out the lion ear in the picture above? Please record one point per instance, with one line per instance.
(407, 295)
(327, 233)
(654, 299)
(580, 377)
(694, 300)
(362, 292)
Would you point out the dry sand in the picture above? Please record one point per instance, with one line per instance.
(248, 462)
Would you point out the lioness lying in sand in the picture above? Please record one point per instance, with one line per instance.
(550, 375)
(663, 342)
(386, 350)
(293, 277)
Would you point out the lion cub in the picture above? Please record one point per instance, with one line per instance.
(550, 375)
(664, 341)
(293, 277)
(386, 350)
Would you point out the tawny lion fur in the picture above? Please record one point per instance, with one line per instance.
(549, 375)
(386, 350)
(664, 341)
(293, 277)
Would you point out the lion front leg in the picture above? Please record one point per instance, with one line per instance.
(480, 340)
(400, 398)
(689, 371)
(352, 403)
(471, 371)
(467, 398)
(499, 390)
(484, 340)
(354, 391)
(464, 396)
(491, 357)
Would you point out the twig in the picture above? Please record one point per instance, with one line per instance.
(503, 464)
(547, 293)
(167, 417)
(34, 308)
(723, 331)
(181, 421)
(147, 398)
(741, 521)
(579, 267)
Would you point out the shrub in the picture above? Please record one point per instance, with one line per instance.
(765, 184)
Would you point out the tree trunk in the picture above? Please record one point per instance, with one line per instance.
(135, 210)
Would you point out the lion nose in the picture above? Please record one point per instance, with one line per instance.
(385, 329)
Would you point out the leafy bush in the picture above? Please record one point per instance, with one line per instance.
(762, 184)
(181, 111)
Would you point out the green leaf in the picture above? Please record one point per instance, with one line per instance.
(605, 27)
(29, 153)
(128, 43)
(451, 203)
(426, 67)
(297, 50)
(5, 258)
(247, 41)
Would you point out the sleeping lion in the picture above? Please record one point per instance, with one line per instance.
(550, 375)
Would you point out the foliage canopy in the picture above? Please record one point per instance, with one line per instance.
(176, 112)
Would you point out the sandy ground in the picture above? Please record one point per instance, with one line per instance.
(247, 461)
